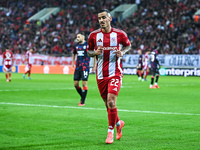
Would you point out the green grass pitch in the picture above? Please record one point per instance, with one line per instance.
(43, 113)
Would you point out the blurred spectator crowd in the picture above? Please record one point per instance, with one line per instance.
(167, 26)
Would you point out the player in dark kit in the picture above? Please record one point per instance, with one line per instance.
(140, 66)
(155, 69)
(82, 67)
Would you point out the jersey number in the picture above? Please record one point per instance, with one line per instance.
(7, 62)
(114, 82)
(85, 73)
(152, 58)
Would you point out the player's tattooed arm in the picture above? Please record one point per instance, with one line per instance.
(98, 51)
(126, 49)
(123, 51)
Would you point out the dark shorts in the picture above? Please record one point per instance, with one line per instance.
(139, 66)
(81, 75)
(156, 70)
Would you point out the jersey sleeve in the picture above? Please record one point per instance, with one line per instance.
(124, 39)
(91, 44)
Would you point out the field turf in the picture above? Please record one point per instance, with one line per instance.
(43, 113)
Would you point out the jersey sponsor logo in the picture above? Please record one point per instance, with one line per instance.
(80, 53)
(110, 48)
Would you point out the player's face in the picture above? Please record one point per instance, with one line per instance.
(79, 38)
(104, 20)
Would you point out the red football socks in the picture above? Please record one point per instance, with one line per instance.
(6, 76)
(112, 117)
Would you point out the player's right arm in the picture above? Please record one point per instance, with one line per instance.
(91, 47)
(157, 62)
(3, 58)
(73, 59)
(98, 51)
(94, 66)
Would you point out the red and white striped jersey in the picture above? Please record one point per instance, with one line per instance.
(29, 57)
(7, 56)
(108, 64)
(146, 58)
(145, 61)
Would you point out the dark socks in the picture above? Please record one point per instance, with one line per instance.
(152, 80)
(79, 90)
(84, 93)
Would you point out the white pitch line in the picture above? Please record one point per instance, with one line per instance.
(36, 89)
(122, 110)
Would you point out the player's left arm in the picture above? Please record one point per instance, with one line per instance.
(123, 51)
(157, 62)
(12, 60)
(126, 45)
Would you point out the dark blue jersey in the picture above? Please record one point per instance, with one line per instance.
(83, 60)
(154, 60)
(140, 60)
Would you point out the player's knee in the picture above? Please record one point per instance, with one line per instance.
(111, 104)
(111, 101)
(84, 84)
(76, 85)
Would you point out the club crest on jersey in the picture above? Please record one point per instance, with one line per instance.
(113, 39)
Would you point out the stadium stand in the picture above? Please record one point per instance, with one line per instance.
(168, 26)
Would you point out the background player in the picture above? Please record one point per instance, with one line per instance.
(140, 66)
(8, 63)
(145, 64)
(104, 44)
(155, 69)
(82, 67)
(29, 61)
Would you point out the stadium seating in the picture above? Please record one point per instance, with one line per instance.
(168, 26)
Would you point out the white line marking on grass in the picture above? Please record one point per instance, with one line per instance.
(122, 110)
(36, 89)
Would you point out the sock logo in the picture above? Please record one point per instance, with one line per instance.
(111, 127)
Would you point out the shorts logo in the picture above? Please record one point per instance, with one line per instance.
(115, 89)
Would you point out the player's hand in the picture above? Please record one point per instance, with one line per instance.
(99, 50)
(73, 65)
(118, 53)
